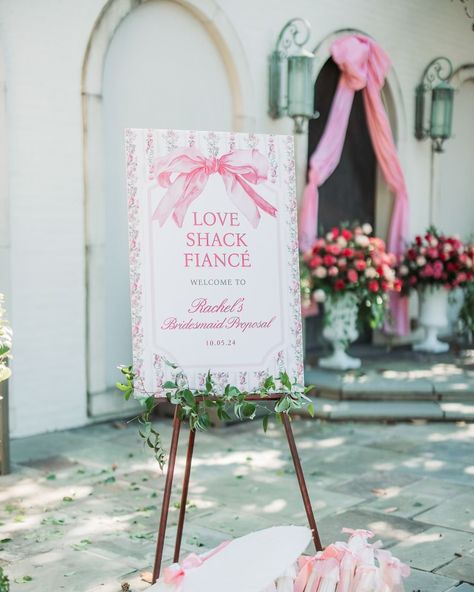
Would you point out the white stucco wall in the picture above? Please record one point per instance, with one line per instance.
(44, 44)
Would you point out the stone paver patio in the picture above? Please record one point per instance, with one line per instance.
(80, 510)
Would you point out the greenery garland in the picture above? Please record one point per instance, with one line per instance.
(196, 406)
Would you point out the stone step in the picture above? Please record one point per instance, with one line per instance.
(395, 383)
(330, 409)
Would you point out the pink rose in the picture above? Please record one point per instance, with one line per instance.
(333, 271)
(428, 271)
(352, 276)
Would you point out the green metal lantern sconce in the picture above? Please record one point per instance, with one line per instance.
(291, 80)
(435, 79)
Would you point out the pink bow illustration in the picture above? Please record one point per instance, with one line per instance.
(185, 173)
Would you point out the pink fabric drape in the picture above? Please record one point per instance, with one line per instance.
(363, 66)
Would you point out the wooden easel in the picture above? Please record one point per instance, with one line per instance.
(187, 472)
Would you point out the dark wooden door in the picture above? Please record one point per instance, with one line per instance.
(348, 195)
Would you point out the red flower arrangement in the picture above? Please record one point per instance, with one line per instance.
(350, 259)
(436, 260)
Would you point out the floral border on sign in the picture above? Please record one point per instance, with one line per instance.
(136, 288)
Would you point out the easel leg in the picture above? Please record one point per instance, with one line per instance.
(301, 481)
(184, 495)
(167, 495)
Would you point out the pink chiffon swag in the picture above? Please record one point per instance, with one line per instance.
(355, 566)
(363, 65)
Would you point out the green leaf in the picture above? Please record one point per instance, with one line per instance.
(269, 383)
(23, 580)
(285, 380)
(209, 383)
(203, 422)
(170, 385)
(311, 409)
(188, 397)
(283, 405)
(234, 391)
(223, 415)
(82, 545)
(145, 429)
(150, 403)
(249, 409)
(265, 423)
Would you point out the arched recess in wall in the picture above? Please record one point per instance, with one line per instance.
(356, 190)
(4, 205)
(454, 206)
(156, 63)
(392, 99)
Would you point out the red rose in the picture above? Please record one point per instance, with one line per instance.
(339, 285)
(373, 286)
(329, 260)
(335, 232)
(360, 264)
(347, 234)
(348, 252)
(411, 254)
(418, 240)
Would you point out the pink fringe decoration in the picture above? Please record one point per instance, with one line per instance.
(355, 566)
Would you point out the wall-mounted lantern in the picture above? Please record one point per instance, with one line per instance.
(291, 79)
(435, 79)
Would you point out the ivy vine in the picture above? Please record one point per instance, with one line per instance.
(198, 405)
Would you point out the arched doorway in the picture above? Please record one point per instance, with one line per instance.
(161, 64)
(356, 191)
(349, 193)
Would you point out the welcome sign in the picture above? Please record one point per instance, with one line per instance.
(213, 257)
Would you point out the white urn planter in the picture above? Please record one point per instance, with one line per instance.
(340, 320)
(433, 317)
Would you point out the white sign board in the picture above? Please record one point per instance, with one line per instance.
(213, 257)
